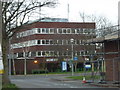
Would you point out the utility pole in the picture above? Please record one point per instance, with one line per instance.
(68, 12)
(72, 66)
(25, 62)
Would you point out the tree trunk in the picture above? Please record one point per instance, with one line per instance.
(5, 46)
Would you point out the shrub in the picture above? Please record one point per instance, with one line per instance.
(38, 71)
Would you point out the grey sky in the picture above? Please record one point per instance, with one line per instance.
(107, 8)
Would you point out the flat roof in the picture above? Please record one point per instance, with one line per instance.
(112, 36)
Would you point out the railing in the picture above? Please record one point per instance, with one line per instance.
(109, 30)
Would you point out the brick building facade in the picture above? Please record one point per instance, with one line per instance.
(112, 59)
(111, 54)
(50, 43)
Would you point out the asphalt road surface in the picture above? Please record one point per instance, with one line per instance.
(47, 81)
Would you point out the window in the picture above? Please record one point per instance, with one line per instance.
(60, 30)
(39, 30)
(78, 53)
(43, 30)
(43, 53)
(20, 54)
(55, 53)
(77, 42)
(69, 42)
(68, 31)
(51, 42)
(75, 53)
(64, 31)
(51, 30)
(60, 42)
(81, 42)
(47, 30)
(89, 31)
(26, 54)
(82, 53)
(55, 30)
(86, 52)
(47, 53)
(47, 41)
(39, 53)
(55, 42)
(43, 41)
(33, 54)
(64, 42)
(73, 30)
(85, 31)
(39, 42)
(77, 31)
(81, 31)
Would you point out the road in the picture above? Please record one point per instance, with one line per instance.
(47, 81)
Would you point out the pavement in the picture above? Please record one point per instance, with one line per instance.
(106, 84)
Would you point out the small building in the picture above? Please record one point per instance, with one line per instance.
(111, 54)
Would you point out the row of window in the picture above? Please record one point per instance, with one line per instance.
(59, 42)
(47, 42)
(55, 31)
(24, 44)
(51, 54)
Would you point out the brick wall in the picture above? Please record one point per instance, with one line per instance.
(112, 61)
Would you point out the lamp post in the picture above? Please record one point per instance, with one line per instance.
(72, 66)
(25, 65)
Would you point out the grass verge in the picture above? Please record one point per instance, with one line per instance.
(10, 87)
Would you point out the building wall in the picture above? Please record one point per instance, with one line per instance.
(19, 66)
(112, 60)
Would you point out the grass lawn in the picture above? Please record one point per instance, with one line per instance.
(81, 77)
(10, 86)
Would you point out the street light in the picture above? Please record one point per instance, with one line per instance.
(35, 61)
(72, 40)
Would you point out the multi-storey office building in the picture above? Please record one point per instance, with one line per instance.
(50, 43)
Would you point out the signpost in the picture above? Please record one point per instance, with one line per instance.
(75, 58)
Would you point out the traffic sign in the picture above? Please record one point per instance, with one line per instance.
(64, 66)
(87, 66)
(75, 58)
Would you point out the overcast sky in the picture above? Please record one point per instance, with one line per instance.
(106, 8)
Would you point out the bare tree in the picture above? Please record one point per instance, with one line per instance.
(101, 22)
(15, 14)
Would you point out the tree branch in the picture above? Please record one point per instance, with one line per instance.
(19, 5)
